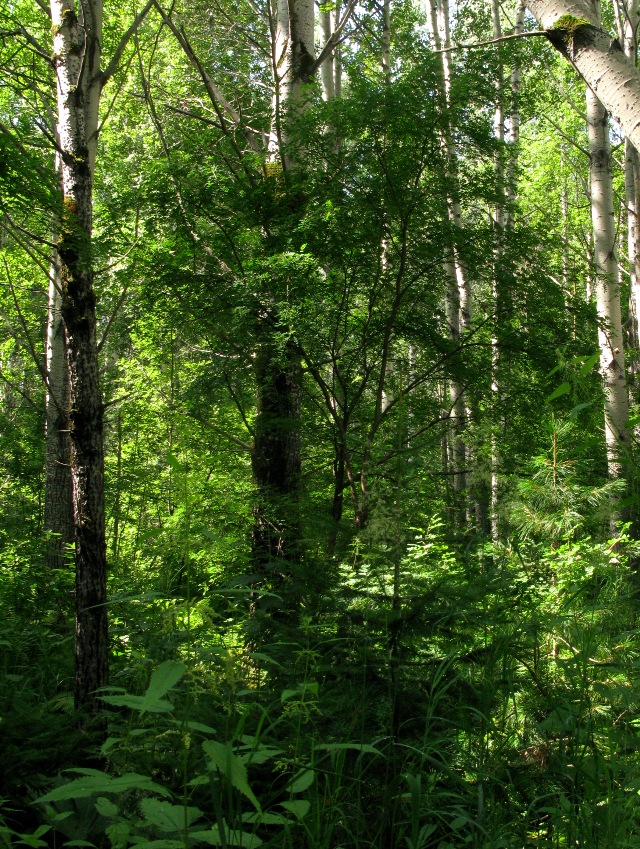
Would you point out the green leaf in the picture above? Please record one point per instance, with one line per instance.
(168, 817)
(561, 390)
(573, 415)
(589, 364)
(298, 807)
(100, 782)
(254, 818)
(175, 463)
(302, 781)
(260, 755)
(162, 680)
(307, 687)
(231, 838)
(118, 834)
(105, 807)
(223, 758)
(195, 726)
(363, 748)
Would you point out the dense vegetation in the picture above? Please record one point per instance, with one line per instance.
(372, 551)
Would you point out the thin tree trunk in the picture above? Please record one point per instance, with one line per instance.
(58, 494)
(276, 454)
(458, 294)
(499, 222)
(76, 49)
(610, 337)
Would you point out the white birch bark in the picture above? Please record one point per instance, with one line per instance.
(574, 28)
(293, 53)
(628, 20)
(607, 284)
(458, 294)
(610, 336)
(499, 221)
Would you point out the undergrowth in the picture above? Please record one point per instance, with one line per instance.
(449, 699)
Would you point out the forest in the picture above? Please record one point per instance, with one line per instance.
(319, 422)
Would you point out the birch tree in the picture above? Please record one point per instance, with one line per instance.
(610, 335)
(574, 28)
(77, 46)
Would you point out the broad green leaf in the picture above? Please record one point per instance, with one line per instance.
(573, 415)
(118, 834)
(307, 687)
(168, 817)
(232, 838)
(254, 818)
(90, 785)
(105, 807)
(141, 703)
(561, 390)
(589, 364)
(260, 755)
(223, 758)
(162, 843)
(363, 748)
(195, 726)
(302, 781)
(175, 464)
(109, 743)
(162, 680)
(298, 807)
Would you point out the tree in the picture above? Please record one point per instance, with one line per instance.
(573, 27)
(77, 48)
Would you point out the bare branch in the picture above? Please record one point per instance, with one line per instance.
(477, 44)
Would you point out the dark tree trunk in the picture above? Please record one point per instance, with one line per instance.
(58, 502)
(277, 468)
(86, 432)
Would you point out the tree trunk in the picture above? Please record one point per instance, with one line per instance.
(573, 27)
(76, 49)
(610, 337)
(458, 294)
(276, 462)
(276, 455)
(58, 494)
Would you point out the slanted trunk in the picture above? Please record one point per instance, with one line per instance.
(76, 49)
(574, 28)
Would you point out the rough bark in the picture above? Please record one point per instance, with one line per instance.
(76, 49)
(276, 459)
(573, 27)
(276, 455)
(58, 494)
